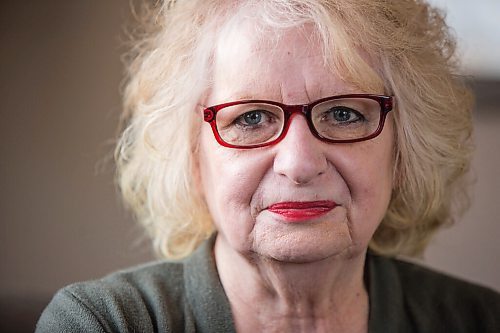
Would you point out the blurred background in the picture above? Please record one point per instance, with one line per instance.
(61, 219)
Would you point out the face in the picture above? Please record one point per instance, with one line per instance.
(301, 200)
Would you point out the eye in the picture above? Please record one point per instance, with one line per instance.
(252, 117)
(342, 114)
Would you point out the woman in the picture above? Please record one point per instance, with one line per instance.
(309, 141)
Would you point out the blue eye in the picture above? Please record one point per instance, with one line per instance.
(344, 114)
(252, 117)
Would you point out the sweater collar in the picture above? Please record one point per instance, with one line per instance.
(212, 310)
(387, 306)
(205, 293)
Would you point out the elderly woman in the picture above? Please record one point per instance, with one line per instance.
(287, 151)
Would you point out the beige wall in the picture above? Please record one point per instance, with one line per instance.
(471, 248)
(60, 219)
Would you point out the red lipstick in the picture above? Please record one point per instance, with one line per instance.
(299, 211)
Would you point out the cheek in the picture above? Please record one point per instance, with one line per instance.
(369, 175)
(229, 179)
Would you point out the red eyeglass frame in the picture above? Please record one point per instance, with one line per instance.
(386, 105)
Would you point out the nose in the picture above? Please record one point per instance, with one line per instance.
(300, 156)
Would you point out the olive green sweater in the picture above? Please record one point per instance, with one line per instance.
(187, 296)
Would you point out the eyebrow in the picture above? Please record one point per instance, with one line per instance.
(247, 95)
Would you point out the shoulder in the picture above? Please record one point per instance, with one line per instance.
(143, 299)
(180, 296)
(416, 275)
(435, 300)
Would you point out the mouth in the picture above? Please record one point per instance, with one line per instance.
(301, 211)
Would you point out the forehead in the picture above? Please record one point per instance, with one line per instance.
(247, 64)
(251, 61)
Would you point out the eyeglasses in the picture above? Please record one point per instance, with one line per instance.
(338, 119)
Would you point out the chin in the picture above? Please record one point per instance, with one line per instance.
(300, 249)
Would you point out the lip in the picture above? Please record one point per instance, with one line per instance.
(301, 211)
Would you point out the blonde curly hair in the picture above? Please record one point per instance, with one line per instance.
(169, 72)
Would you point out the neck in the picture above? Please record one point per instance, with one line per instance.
(268, 295)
